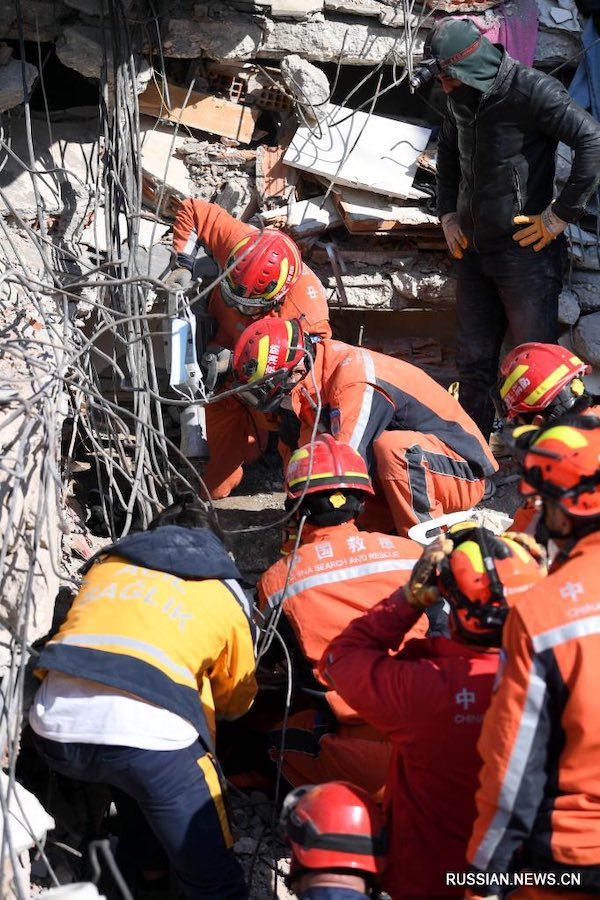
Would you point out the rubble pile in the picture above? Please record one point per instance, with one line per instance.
(236, 108)
(258, 106)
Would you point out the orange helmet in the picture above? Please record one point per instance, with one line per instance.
(331, 465)
(562, 464)
(262, 268)
(481, 577)
(539, 378)
(333, 826)
(266, 353)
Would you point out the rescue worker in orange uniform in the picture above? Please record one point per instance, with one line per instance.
(335, 575)
(263, 275)
(338, 841)
(426, 455)
(431, 697)
(538, 383)
(539, 798)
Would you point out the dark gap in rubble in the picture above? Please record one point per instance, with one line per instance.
(63, 87)
(397, 103)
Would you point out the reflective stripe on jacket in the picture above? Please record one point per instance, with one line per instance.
(540, 784)
(364, 393)
(186, 645)
(201, 224)
(337, 574)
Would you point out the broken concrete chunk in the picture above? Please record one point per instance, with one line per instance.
(587, 288)
(308, 84)
(304, 218)
(231, 38)
(12, 90)
(554, 16)
(238, 197)
(555, 46)
(425, 289)
(294, 9)
(586, 338)
(81, 47)
(568, 307)
(243, 37)
(355, 7)
(40, 20)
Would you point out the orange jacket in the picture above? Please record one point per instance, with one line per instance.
(337, 574)
(199, 223)
(540, 783)
(364, 393)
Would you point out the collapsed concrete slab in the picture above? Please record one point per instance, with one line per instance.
(12, 88)
(243, 37)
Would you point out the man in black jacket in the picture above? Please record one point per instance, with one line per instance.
(495, 173)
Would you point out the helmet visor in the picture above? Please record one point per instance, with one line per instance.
(247, 306)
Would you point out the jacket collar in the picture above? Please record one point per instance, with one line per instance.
(503, 79)
(312, 534)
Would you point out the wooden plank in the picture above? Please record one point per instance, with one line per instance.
(363, 211)
(203, 111)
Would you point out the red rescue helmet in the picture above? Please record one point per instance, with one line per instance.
(562, 465)
(539, 378)
(267, 352)
(262, 268)
(334, 826)
(331, 465)
(482, 576)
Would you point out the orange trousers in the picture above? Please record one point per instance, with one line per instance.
(354, 753)
(418, 478)
(236, 435)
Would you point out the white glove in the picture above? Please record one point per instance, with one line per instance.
(456, 240)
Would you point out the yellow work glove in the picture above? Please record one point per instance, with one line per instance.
(456, 240)
(540, 230)
(421, 590)
(529, 543)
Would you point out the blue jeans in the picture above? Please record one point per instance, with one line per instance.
(513, 287)
(178, 793)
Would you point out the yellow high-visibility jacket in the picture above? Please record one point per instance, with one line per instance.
(162, 616)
